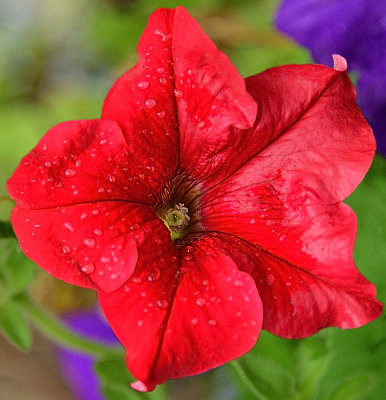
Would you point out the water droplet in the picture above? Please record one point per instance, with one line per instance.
(154, 274)
(112, 178)
(161, 70)
(194, 321)
(164, 36)
(69, 226)
(134, 227)
(140, 323)
(162, 303)
(141, 176)
(66, 249)
(98, 232)
(83, 215)
(142, 85)
(89, 268)
(238, 283)
(89, 242)
(212, 322)
(44, 147)
(252, 221)
(288, 284)
(205, 282)
(178, 93)
(246, 298)
(201, 302)
(161, 114)
(78, 163)
(102, 142)
(47, 164)
(137, 280)
(150, 103)
(270, 279)
(70, 172)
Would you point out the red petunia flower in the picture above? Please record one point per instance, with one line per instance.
(203, 207)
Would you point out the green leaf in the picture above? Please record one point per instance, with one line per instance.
(353, 388)
(115, 393)
(6, 230)
(16, 270)
(313, 357)
(14, 326)
(116, 380)
(264, 378)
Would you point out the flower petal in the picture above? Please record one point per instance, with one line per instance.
(309, 127)
(311, 148)
(81, 161)
(90, 245)
(181, 99)
(197, 312)
(302, 257)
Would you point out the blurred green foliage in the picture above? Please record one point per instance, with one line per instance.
(57, 62)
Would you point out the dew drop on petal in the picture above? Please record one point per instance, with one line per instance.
(252, 221)
(47, 164)
(178, 93)
(89, 242)
(66, 249)
(194, 321)
(69, 226)
(102, 142)
(212, 322)
(69, 173)
(141, 176)
(89, 268)
(162, 303)
(270, 279)
(140, 323)
(98, 232)
(238, 283)
(142, 85)
(161, 114)
(201, 302)
(205, 282)
(150, 103)
(154, 274)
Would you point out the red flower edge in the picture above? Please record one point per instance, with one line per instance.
(260, 166)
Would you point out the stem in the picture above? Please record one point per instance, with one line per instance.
(59, 333)
(247, 382)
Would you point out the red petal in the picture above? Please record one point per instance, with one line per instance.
(197, 312)
(81, 161)
(181, 99)
(302, 257)
(309, 128)
(90, 245)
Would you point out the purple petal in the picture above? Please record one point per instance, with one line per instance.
(77, 368)
(353, 29)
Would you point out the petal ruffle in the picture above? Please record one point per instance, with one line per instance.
(311, 148)
(90, 245)
(302, 261)
(182, 98)
(184, 312)
(309, 128)
(81, 161)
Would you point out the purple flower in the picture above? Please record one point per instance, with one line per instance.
(357, 31)
(77, 368)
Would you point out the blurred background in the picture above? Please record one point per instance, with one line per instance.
(58, 60)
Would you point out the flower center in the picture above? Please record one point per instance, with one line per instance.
(177, 218)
